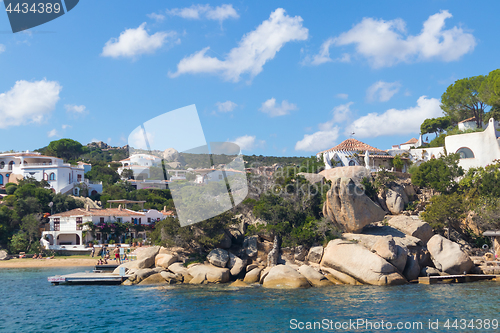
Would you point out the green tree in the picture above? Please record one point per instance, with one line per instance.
(127, 174)
(397, 162)
(66, 149)
(106, 175)
(463, 100)
(435, 125)
(490, 89)
(444, 211)
(439, 174)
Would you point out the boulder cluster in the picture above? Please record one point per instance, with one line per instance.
(395, 253)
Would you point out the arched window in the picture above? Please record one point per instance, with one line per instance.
(352, 163)
(11, 165)
(45, 176)
(2, 165)
(1, 180)
(465, 153)
(52, 176)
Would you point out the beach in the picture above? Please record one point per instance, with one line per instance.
(56, 262)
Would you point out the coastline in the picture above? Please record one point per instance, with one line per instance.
(37, 263)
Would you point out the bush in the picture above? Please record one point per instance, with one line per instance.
(444, 210)
(10, 189)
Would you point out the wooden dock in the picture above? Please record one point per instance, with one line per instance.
(88, 278)
(457, 278)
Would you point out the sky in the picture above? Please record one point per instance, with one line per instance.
(279, 78)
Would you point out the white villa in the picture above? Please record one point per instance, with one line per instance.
(352, 152)
(204, 176)
(62, 177)
(140, 164)
(66, 229)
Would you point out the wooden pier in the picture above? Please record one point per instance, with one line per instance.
(88, 278)
(457, 278)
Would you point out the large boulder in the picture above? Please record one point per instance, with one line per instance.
(412, 268)
(349, 206)
(218, 257)
(448, 257)
(135, 265)
(300, 253)
(235, 264)
(385, 247)
(179, 270)
(212, 274)
(394, 201)
(147, 255)
(156, 278)
(356, 173)
(253, 276)
(315, 254)
(250, 246)
(360, 263)
(312, 178)
(315, 278)
(412, 226)
(283, 276)
(165, 260)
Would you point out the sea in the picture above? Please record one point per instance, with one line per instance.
(29, 303)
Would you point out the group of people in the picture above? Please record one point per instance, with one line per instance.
(105, 255)
(40, 256)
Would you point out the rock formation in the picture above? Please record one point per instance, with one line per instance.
(447, 256)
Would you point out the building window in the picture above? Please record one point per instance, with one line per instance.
(1, 180)
(101, 220)
(79, 223)
(45, 176)
(98, 236)
(57, 225)
(352, 163)
(11, 165)
(465, 153)
(52, 176)
(2, 165)
(119, 219)
(149, 220)
(139, 221)
(79, 178)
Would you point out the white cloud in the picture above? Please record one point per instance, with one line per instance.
(248, 142)
(156, 17)
(2, 48)
(394, 122)
(343, 96)
(226, 106)
(52, 133)
(197, 12)
(28, 102)
(135, 42)
(328, 132)
(66, 126)
(274, 110)
(386, 43)
(324, 55)
(76, 109)
(382, 91)
(252, 52)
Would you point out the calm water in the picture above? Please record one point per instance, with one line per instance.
(30, 304)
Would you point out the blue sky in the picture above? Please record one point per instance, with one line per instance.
(279, 78)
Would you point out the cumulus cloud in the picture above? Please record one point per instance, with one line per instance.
(2, 48)
(386, 43)
(253, 51)
(52, 133)
(328, 132)
(226, 106)
(76, 109)
(28, 102)
(248, 142)
(382, 91)
(156, 17)
(134, 42)
(394, 122)
(324, 55)
(197, 12)
(274, 110)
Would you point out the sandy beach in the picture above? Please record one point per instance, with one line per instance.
(36, 263)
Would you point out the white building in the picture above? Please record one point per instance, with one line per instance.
(62, 177)
(204, 176)
(140, 164)
(66, 230)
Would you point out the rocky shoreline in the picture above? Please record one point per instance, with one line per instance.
(393, 253)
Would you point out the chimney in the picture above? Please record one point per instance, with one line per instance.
(164, 209)
(119, 207)
(87, 208)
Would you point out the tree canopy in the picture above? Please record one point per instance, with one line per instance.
(463, 99)
(438, 174)
(66, 149)
(435, 125)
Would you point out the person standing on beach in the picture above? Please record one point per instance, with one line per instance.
(92, 252)
(116, 251)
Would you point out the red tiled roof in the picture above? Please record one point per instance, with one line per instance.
(353, 145)
(467, 120)
(98, 212)
(411, 141)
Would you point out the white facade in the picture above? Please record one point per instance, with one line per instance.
(477, 149)
(61, 176)
(421, 155)
(140, 164)
(66, 229)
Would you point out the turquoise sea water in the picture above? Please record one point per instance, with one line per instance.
(30, 304)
